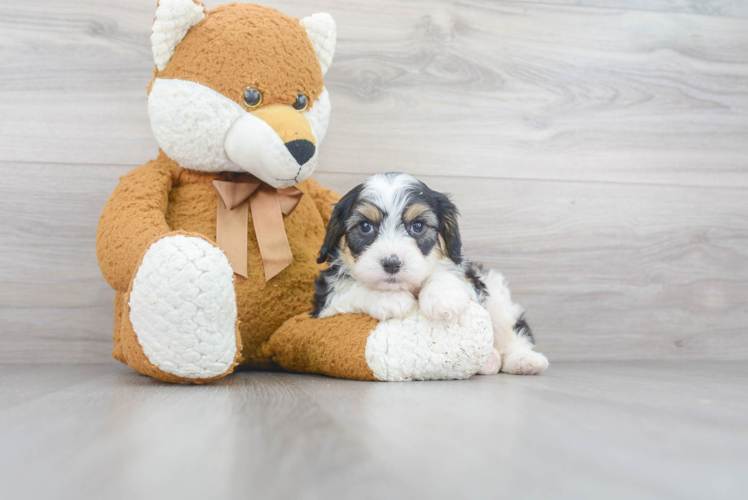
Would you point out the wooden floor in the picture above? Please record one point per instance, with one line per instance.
(583, 430)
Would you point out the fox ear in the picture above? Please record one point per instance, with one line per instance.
(174, 18)
(320, 28)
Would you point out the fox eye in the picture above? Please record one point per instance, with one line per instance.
(417, 227)
(366, 227)
(252, 97)
(300, 103)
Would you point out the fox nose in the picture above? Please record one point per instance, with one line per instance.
(301, 149)
(392, 264)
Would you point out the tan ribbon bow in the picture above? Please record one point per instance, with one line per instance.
(268, 206)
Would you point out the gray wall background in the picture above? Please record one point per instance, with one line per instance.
(598, 150)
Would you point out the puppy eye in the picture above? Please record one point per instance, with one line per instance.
(252, 97)
(301, 102)
(366, 227)
(417, 227)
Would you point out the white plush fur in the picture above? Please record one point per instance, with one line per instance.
(319, 116)
(174, 18)
(203, 130)
(183, 308)
(190, 122)
(416, 348)
(321, 30)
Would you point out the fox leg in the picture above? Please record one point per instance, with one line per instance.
(513, 341)
(177, 321)
(356, 346)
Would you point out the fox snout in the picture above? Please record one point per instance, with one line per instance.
(292, 127)
(275, 142)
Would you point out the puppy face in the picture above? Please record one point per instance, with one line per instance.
(391, 232)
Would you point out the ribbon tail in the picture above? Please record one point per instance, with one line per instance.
(289, 199)
(270, 231)
(231, 234)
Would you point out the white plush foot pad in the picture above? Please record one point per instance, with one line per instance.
(415, 348)
(183, 308)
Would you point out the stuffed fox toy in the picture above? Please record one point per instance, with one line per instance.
(212, 246)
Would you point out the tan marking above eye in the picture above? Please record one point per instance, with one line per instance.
(415, 210)
(370, 211)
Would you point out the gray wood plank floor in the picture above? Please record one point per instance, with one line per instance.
(598, 150)
(584, 430)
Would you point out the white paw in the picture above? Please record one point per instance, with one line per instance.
(183, 307)
(524, 362)
(443, 304)
(492, 366)
(388, 305)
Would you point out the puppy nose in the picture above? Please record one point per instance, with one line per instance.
(392, 264)
(301, 149)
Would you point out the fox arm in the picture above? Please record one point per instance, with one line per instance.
(132, 219)
(324, 198)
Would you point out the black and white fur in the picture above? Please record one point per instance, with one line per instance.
(393, 246)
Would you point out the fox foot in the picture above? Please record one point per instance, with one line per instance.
(183, 308)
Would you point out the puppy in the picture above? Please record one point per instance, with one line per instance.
(393, 246)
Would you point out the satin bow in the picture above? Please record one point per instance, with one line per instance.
(268, 205)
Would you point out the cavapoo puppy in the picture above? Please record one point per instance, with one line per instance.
(393, 246)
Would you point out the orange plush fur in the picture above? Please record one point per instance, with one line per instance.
(246, 45)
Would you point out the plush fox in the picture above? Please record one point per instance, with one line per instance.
(212, 246)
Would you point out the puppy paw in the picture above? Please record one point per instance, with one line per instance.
(524, 362)
(390, 305)
(443, 304)
(492, 366)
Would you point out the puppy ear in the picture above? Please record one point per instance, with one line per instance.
(336, 226)
(447, 214)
